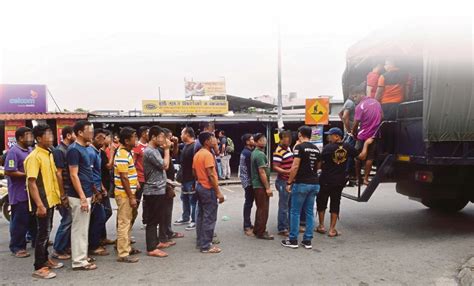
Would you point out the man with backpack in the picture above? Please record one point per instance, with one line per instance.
(226, 148)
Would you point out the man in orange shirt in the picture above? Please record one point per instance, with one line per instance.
(392, 89)
(207, 192)
(373, 80)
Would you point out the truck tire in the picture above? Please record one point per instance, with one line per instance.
(445, 205)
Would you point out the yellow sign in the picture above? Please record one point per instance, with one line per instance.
(317, 111)
(195, 107)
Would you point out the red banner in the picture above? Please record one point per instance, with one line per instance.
(60, 124)
(10, 129)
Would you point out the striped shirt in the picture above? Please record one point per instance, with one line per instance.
(283, 158)
(123, 163)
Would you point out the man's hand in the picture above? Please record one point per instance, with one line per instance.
(97, 197)
(104, 192)
(166, 145)
(133, 202)
(288, 189)
(84, 205)
(269, 192)
(175, 140)
(41, 211)
(369, 141)
(220, 197)
(65, 202)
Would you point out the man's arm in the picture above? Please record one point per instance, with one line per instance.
(369, 91)
(34, 194)
(363, 155)
(355, 127)
(279, 170)
(379, 92)
(345, 120)
(76, 182)
(214, 183)
(294, 170)
(16, 174)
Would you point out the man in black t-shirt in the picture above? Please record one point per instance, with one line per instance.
(333, 176)
(303, 184)
(185, 175)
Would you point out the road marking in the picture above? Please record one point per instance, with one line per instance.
(227, 189)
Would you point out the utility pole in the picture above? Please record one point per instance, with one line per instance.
(159, 94)
(280, 99)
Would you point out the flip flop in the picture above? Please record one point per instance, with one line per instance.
(87, 267)
(177, 235)
(212, 250)
(321, 231)
(21, 254)
(334, 235)
(135, 251)
(127, 259)
(157, 253)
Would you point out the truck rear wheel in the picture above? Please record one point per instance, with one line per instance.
(445, 205)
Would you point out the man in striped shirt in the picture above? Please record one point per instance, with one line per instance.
(282, 161)
(126, 185)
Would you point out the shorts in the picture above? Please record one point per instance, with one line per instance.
(371, 152)
(334, 193)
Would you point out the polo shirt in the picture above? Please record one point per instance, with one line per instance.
(40, 165)
(123, 163)
(14, 161)
(283, 158)
(77, 155)
(259, 160)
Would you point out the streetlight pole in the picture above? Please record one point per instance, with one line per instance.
(280, 99)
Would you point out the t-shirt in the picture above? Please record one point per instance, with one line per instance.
(123, 163)
(372, 81)
(16, 185)
(283, 158)
(40, 165)
(77, 155)
(334, 157)
(105, 172)
(171, 172)
(350, 106)
(369, 113)
(59, 154)
(245, 168)
(96, 163)
(259, 160)
(138, 159)
(202, 160)
(155, 175)
(187, 162)
(394, 82)
(309, 155)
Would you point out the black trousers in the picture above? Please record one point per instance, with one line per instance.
(166, 232)
(326, 192)
(154, 216)
(44, 225)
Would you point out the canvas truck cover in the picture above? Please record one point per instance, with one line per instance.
(448, 98)
(443, 56)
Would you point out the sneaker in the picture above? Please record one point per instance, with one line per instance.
(181, 222)
(306, 244)
(191, 226)
(289, 243)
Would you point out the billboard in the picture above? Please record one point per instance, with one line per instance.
(201, 88)
(195, 107)
(317, 111)
(19, 98)
(10, 128)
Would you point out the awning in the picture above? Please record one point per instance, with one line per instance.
(42, 116)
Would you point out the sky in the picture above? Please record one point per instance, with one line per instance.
(112, 54)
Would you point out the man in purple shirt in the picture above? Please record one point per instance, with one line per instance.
(367, 118)
(21, 218)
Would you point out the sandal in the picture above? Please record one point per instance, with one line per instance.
(167, 244)
(320, 230)
(59, 256)
(100, 252)
(21, 254)
(212, 250)
(177, 235)
(127, 259)
(135, 251)
(91, 259)
(87, 267)
(334, 235)
(157, 253)
(43, 273)
(53, 264)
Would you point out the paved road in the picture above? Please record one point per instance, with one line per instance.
(390, 240)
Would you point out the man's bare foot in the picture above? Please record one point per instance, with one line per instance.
(320, 229)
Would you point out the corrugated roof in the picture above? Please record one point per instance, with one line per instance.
(42, 116)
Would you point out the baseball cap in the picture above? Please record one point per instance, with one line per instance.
(335, 131)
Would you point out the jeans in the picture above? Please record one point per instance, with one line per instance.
(97, 225)
(21, 223)
(42, 238)
(283, 205)
(302, 198)
(206, 216)
(225, 161)
(62, 241)
(108, 214)
(154, 217)
(188, 197)
(249, 199)
(262, 201)
(219, 168)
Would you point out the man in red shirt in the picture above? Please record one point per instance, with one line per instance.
(138, 152)
(373, 80)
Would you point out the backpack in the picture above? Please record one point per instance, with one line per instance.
(230, 148)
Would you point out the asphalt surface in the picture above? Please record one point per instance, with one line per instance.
(389, 241)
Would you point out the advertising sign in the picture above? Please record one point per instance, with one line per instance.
(10, 128)
(198, 107)
(200, 88)
(317, 136)
(60, 124)
(19, 98)
(317, 111)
